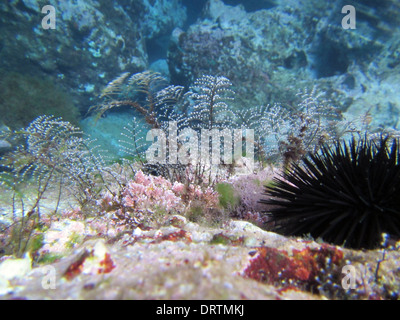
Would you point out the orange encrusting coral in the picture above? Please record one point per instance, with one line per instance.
(302, 268)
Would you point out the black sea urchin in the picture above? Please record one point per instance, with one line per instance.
(347, 194)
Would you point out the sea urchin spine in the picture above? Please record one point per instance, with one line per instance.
(347, 194)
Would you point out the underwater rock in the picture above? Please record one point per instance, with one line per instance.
(161, 66)
(63, 235)
(25, 97)
(239, 261)
(261, 52)
(15, 268)
(12, 269)
(161, 16)
(92, 40)
(4, 144)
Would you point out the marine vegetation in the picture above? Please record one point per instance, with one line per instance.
(53, 159)
(210, 104)
(346, 194)
(156, 105)
(54, 153)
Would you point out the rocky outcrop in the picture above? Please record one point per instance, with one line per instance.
(93, 41)
(190, 261)
(272, 54)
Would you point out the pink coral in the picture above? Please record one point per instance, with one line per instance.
(148, 192)
(178, 188)
(143, 199)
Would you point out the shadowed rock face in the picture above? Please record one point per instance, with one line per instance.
(261, 46)
(93, 40)
(262, 51)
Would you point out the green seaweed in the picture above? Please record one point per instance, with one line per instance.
(227, 195)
